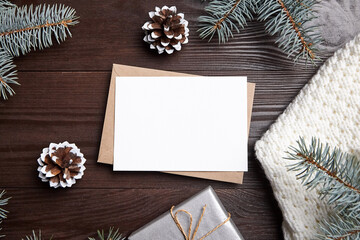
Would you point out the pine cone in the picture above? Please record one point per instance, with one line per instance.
(167, 30)
(61, 164)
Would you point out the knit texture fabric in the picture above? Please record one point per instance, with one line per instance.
(328, 107)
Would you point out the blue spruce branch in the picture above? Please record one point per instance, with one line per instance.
(7, 74)
(101, 235)
(3, 212)
(338, 176)
(287, 19)
(27, 28)
(35, 236)
(339, 227)
(111, 235)
(5, 5)
(224, 17)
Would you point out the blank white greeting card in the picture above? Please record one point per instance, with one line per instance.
(180, 124)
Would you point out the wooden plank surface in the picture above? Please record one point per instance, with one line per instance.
(63, 97)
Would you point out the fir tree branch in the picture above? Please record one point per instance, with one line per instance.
(288, 20)
(112, 235)
(3, 212)
(306, 45)
(5, 5)
(224, 17)
(311, 160)
(355, 234)
(25, 28)
(338, 227)
(218, 23)
(302, 4)
(65, 23)
(7, 74)
(338, 174)
(35, 236)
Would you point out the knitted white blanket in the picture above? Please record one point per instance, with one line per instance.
(328, 107)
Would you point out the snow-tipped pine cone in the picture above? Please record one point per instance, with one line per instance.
(61, 164)
(167, 30)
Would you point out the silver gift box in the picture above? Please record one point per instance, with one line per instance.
(164, 227)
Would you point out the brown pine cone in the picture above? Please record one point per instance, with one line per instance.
(61, 164)
(167, 30)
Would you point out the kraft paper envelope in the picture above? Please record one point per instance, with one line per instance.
(106, 151)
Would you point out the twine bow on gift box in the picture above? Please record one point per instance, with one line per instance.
(187, 237)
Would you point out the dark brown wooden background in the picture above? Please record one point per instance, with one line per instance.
(63, 96)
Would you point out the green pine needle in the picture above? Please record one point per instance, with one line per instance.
(27, 28)
(7, 74)
(224, 17)
(3, 212)
(338, 176)
(340, 227)
(5, 5)
(287, 19)
(112, 235)
(35, 236)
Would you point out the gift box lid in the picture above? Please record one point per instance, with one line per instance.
(165, 228)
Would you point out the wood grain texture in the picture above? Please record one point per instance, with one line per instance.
(63, 97)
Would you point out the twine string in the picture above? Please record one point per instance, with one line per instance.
(187, 236)
(198, 224)
(215, 228)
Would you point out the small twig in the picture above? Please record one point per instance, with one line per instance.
(311, 160)
(64, 23)
(304, 43)
(218, 23)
